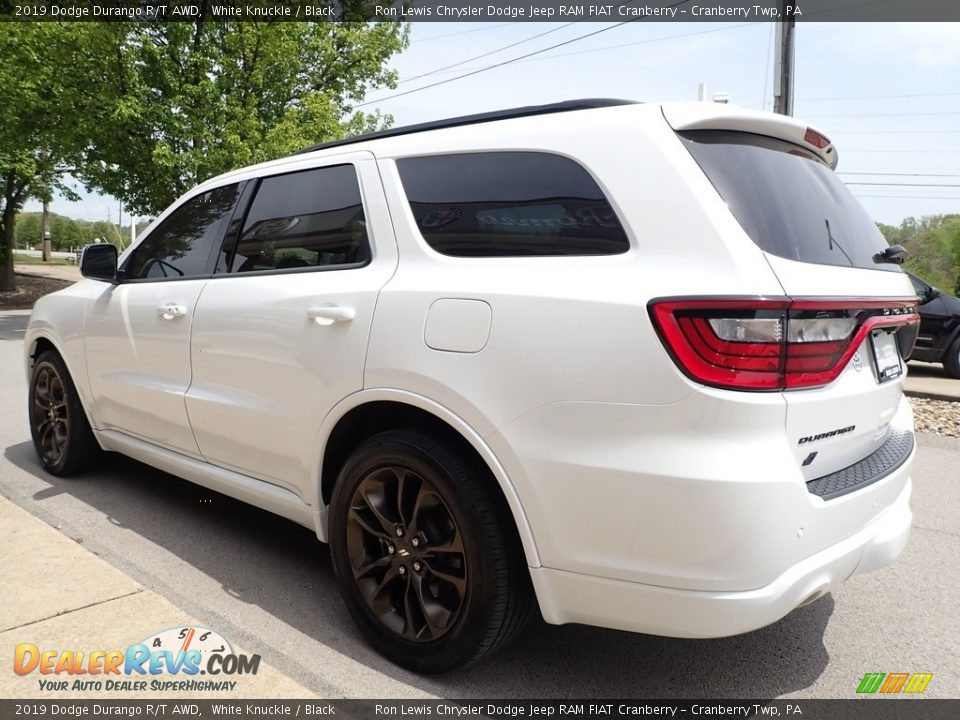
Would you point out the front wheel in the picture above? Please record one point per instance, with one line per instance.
(425, 554)
(62, 437)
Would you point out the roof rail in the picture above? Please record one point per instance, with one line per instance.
(565, 106)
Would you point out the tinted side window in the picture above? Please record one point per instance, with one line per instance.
(312, 218)
(919, 287)
(508, 204)
(181, 245)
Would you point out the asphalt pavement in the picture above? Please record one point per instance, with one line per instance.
(267, 584)
(931, 380)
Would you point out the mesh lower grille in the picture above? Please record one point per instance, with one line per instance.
(876, 466)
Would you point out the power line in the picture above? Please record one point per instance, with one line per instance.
(614, 47)
(461, 32)
(896, 132)
(483, 55)
(887, 150)
(916, 185)
(869, 97)
(901, 174)
(912, 197)
(642, 42)
(512, 60)
(879, 97)
(873, 115)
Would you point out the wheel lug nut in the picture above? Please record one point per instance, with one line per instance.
(391, 549)
(402, 570)
(399, 532)
(417, 566)
(415, 542)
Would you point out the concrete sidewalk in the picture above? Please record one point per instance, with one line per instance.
(68, 273)
(59, 596)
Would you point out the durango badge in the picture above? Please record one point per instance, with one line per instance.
(824, 436)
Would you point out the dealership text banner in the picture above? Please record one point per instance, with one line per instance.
(620, 11)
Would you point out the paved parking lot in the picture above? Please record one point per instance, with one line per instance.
(931, 380)
(267, 584)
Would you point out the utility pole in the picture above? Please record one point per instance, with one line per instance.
(784, 74)
(45, 225)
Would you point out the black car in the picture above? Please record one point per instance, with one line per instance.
(939, 338)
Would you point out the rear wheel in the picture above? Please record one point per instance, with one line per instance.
(62, 437)
(425, 554)
(951, 361)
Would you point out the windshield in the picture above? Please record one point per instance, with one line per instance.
(787, 200)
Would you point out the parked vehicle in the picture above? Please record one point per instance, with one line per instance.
(939, 337)
(638, 364)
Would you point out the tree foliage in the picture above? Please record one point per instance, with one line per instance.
(38, 88)
(69, 233)
(182, 102)
(934, 246)
(145, 110)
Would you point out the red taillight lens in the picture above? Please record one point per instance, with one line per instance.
(771, 344)
(816, 139)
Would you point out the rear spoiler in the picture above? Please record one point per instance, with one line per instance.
(717, 116)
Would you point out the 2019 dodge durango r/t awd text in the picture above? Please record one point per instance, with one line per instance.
(637, 366)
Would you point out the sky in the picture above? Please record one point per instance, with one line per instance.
(887, 94)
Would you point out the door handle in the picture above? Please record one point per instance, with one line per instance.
(330, 314)
(170, 311)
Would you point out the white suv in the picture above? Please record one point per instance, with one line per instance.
(638, 363)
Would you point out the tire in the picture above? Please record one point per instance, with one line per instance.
(62, 437)
(951, 360)
(464, 591)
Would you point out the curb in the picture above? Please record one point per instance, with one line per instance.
(922, 394)
(41, 276)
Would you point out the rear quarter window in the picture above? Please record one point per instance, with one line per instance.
(788, 200)
(501, 204)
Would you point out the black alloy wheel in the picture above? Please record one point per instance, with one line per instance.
(406, 553)
(49, 416)
(61, 434)
(425, 552)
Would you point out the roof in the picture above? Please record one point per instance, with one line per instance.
(565, 106)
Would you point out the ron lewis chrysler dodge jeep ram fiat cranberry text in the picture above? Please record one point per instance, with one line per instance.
(639, 366)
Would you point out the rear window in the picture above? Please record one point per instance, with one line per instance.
(501, 204)
(788, 200)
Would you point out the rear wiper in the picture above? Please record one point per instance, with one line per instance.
(831, 241)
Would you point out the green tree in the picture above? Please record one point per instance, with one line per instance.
(28, 230)
(65, 233)
(34, 92)
(182, 102)
(934, 246)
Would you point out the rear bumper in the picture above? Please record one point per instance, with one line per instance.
(570, 597)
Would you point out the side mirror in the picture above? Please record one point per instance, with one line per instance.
(933, 293)
(99, 262)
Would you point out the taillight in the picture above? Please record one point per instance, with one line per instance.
(773, 344)
(818, 140)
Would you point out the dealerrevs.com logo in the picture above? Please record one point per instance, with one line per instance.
(170, 660)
